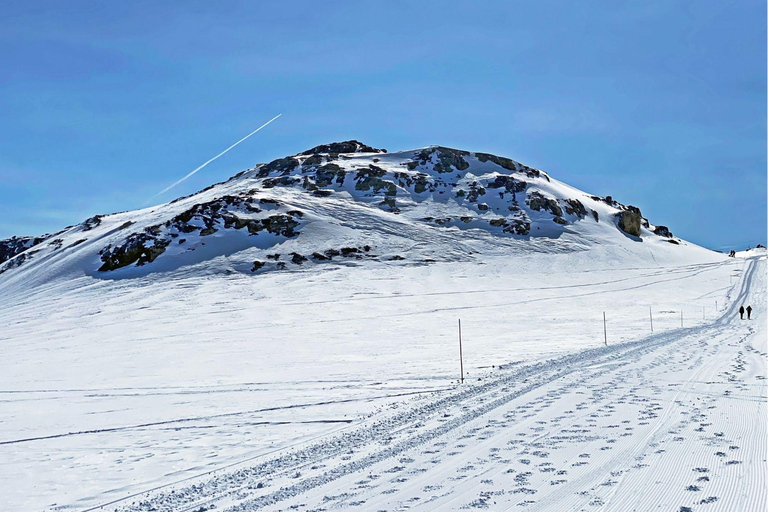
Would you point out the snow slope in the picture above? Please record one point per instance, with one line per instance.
(326, 382)
(674, 420)
(324, 207)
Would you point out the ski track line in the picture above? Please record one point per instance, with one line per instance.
(215, 416)
(673, 270)
(590, 357)
(542, 374)
(515, 303)
(666, 416)
(633, 493)
(614, 395)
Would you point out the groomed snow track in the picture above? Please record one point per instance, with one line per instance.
(593, 430)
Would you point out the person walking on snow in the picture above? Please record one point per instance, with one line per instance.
(749, 312)
(741, 312)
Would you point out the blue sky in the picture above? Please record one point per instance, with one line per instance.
(660, 104)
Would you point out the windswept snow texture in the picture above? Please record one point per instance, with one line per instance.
(187, 377)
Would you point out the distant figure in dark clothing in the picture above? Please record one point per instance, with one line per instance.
(749, 312)
(741, 312)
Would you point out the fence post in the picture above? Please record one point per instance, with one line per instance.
(605, 330)
(650, 312)
(681, 318)
(461, 355)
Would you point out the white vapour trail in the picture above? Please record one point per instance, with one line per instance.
(166, 189)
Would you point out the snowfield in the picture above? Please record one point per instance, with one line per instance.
(288, 340)
(258, 395)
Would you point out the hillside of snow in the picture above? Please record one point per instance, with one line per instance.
(288, 340)
(344, 203)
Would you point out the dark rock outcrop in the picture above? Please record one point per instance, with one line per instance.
(420, 182)
(281, 166)
(447, 159)
(350, 146)
(139, 248)
(475, 190)
(518, 226)
(297, 258)
(538, 202)
(501, 161)
(10, 247)
(282, 181)
(630, 220)
(326, 174)
(509, 184)
(370, 179)
(574, 207)
(226, 212)
(92, 222)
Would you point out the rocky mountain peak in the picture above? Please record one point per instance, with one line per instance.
(347, 201)
(350, 146)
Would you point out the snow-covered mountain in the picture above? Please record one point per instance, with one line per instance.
(287, 339)
(343, 202)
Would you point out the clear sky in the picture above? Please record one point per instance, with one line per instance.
(660, 104)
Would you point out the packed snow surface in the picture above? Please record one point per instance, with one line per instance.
(192, 379)
(339, 390)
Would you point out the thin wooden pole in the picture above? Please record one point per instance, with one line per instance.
(681, 318)
(650, 312)
(605, 329)
(461, 355)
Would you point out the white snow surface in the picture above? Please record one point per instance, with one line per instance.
(192, 383)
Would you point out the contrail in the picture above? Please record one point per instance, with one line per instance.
(214, 158)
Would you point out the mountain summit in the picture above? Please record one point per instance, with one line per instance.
(345, 202)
